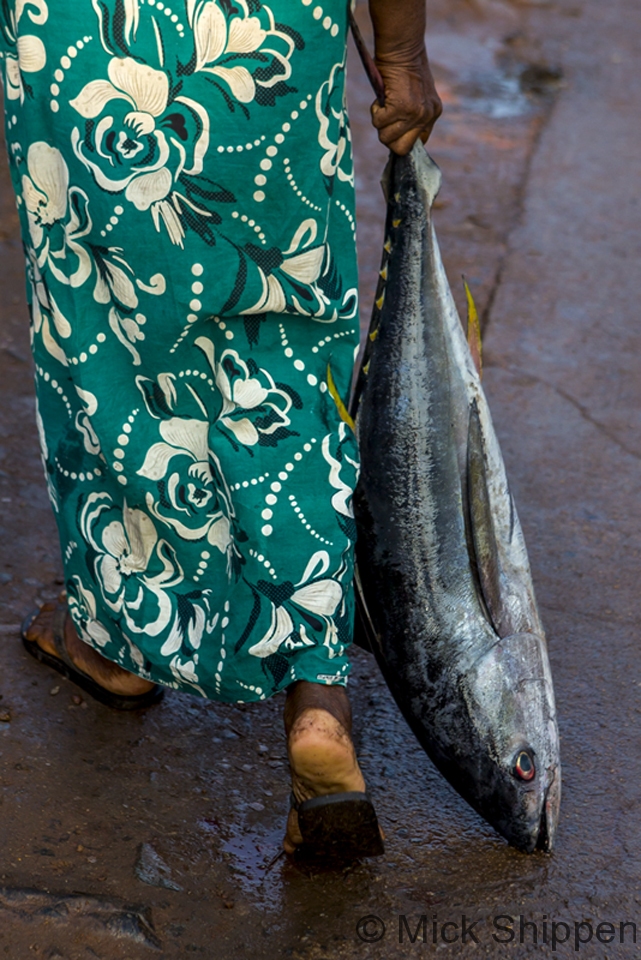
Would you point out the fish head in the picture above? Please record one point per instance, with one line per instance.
(516, 772)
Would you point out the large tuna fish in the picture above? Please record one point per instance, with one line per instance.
(443, 576)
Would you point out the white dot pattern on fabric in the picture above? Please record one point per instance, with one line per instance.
(299, 193)
(333, 336)
(253, 481)
(119, 453)
(271, 499)
(256, 227)
(65, 64)
(266, 563)
(55, 386)
(168, 12)
(195, 305)
(350, 218)
(301, 516)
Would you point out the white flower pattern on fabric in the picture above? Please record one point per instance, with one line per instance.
(60, 227)
(199, 499)
(30, 53)
(145, 150)
(257, 395)
(44, 456)
(50, 203)
(301, 263)
(315, 594)
(46, 316)
(125, 548)
(83, 609)
(219, 41)
(342, 499)
(253, 406)
(334, 134)
(83, 422)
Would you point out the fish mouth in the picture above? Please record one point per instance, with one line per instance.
(549, 815)
(543, 839)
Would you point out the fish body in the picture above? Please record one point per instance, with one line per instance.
(443, 577)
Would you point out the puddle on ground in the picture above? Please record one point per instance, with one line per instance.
(253, 853)
(484, 79)
(496, 96)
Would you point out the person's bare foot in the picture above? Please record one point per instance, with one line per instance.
(318, 724)
(109, 675)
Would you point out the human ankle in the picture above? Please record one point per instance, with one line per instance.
(304, 696)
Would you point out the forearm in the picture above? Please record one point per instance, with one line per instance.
(399, 29)
(411, 104)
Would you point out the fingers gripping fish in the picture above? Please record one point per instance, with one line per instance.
(443, 577)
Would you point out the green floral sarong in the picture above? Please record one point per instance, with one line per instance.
(184, 180)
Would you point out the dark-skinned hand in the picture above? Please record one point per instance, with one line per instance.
(412, 105)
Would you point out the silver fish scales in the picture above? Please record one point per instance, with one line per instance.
(443, 581)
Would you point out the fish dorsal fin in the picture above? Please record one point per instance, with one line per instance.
(482, 526)
(474, 331)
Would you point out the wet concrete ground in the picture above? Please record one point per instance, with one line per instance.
(540, 209)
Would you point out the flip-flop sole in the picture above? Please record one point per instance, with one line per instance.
(341, 826)
(108, 699)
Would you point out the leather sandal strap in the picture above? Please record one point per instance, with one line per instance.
(58, 624)
(326, 798)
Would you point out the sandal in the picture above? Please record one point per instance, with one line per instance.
(338, 826)
(65, 666)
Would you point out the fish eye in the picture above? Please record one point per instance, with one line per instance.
(524, 767)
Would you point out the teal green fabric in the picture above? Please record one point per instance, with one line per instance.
(184, 180)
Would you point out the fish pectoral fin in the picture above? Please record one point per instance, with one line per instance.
(474, 341)
(365, 635)
(483, 537)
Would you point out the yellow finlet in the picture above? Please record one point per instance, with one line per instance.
(340, 406)
(373, 335)
(383, 273)
(381, 300)
(387, 246)
(396, 223)
(474, 331)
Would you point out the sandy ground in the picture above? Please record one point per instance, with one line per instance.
(540, 150)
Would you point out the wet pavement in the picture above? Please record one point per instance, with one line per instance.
(158, 834)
